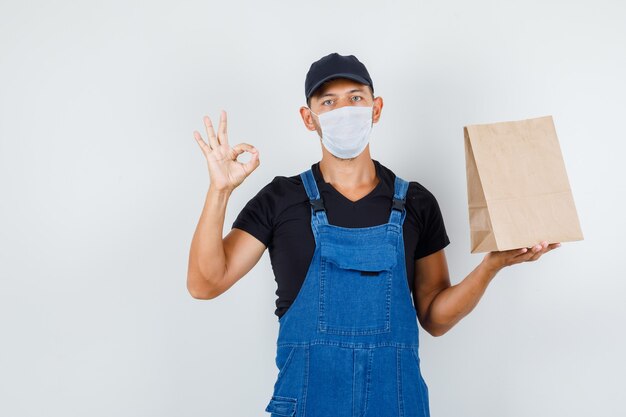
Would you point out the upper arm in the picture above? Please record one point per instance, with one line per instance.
(431, 277)
(242, 251)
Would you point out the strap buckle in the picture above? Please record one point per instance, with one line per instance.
(398, 204)
(318, 205)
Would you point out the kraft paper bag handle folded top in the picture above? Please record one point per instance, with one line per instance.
(518, 190)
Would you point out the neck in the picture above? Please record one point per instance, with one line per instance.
(349, 173)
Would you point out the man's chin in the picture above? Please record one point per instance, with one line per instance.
(332, 155)
(345, 159)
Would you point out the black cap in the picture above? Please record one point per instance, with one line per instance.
(335, 66)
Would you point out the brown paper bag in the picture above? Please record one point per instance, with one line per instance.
(517, 186)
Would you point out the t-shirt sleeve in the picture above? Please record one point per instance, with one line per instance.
(433, 236)
(257, 215)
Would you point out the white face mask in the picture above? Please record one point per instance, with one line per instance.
(346, 130)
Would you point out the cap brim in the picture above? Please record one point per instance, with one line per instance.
(353, 77)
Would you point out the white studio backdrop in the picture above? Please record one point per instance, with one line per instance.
(102, 185)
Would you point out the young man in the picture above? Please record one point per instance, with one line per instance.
(357, 253)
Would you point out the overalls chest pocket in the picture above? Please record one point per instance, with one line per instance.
(356, 284)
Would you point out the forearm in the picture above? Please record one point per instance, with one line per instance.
(455, 302)
(207, 260)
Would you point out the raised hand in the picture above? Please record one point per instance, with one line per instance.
(499, 259)
(225, 171)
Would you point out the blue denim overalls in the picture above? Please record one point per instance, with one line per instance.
(348, 344)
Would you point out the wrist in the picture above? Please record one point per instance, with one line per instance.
(489, 267)
(217, 197)
(220, 192)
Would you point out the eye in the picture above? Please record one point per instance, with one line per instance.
(327, 102)
(357, 98)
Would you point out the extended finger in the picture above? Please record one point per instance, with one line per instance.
(210, 133)
(222, 135)
(203, 146)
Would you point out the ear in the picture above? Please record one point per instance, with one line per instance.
(377, 109)
(307, 118)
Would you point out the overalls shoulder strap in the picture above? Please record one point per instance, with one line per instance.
(318, 211)
(398, 211)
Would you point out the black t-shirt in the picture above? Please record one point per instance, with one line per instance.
(279, 215)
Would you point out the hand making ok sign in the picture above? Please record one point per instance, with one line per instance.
(225, 171)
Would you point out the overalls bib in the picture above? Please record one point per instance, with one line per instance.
(348, 344)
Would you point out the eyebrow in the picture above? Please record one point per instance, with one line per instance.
(354, 90)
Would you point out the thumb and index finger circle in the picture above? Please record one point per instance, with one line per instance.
(246, 147)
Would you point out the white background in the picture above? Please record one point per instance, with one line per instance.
(102, 184)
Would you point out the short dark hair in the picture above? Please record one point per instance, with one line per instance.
(321, 88)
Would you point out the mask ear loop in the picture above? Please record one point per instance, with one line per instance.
(318, 116)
